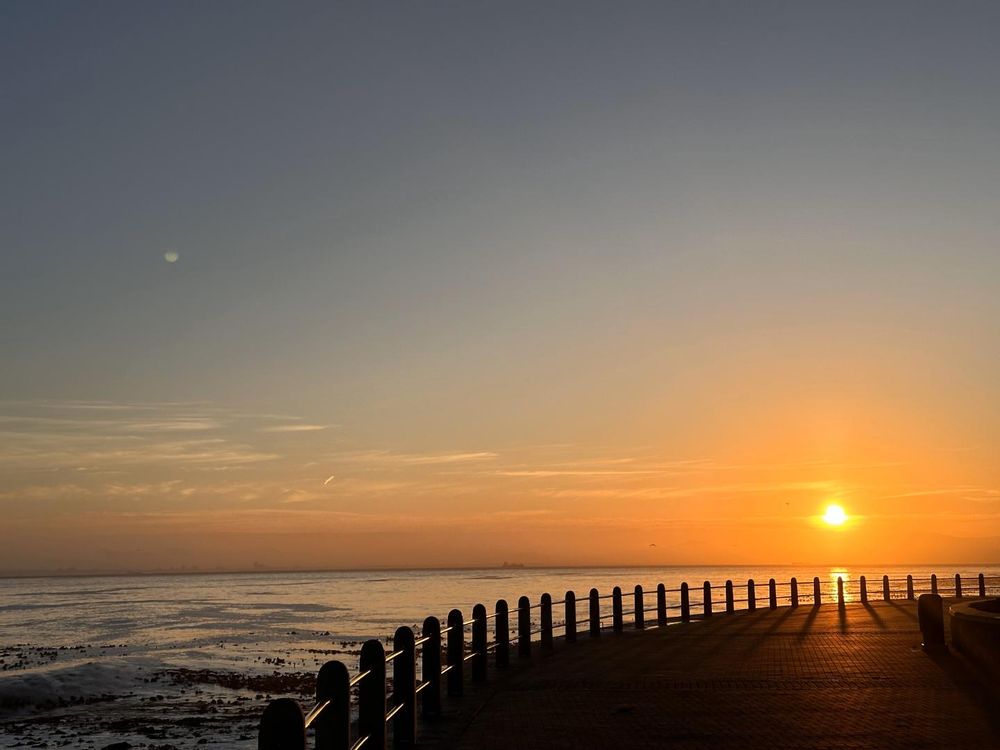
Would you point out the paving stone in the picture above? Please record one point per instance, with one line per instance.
(810, 677)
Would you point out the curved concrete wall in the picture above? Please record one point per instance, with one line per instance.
(975, 631)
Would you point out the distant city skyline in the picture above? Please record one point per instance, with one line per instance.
(448, 284)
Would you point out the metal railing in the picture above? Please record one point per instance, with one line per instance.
(284, 725)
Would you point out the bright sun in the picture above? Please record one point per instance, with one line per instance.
(835, 515)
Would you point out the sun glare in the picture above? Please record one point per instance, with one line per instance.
(835, 515)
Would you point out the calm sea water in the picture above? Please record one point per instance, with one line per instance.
(118, 639)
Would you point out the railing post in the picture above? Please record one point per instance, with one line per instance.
(640, 613)
(958, 585)
(886, 593)
(501, 635)
(909, 587)
(772, 594)
(371, 694)
(661, 604)
(617, 619)
(595, 614)
(840, 591)
(430, 652)
(404, 686)
(934, 583)
(864, 590)
(730, 603)
(479, 643)
(817, 599)
(706, 597)
(282, 726)
(570, 617)
(751, 595)
(685, 603)
(456, 653)
(794, 586)
(524, 627)
(546, 617)
(982, 585)
(333, 725)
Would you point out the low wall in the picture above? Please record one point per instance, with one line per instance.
(975, 631)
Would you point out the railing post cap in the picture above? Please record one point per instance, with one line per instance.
(403, 633)
(331, 676)
(282, 724)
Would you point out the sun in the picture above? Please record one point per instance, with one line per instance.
(835, 515)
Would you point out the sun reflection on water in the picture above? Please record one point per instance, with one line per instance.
(844, 573)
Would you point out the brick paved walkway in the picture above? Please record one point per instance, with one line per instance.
(787, 678)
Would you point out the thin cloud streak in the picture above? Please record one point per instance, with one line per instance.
(294, 428)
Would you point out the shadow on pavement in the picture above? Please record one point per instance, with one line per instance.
(909, 611)
(972, 682)
(810, 619)
(875, 616)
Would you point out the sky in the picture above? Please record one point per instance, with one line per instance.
(310, 285)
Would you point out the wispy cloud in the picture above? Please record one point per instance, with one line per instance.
(112, 425)
(545, 473)
(448, 458)
(58, 491)
(688, 491)
(387, 458)
(294, 428)
(965, 491)
(103, 436)
(113, 406)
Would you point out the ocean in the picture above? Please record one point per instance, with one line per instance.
(186, 661)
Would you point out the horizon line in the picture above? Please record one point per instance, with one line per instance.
(13, 575)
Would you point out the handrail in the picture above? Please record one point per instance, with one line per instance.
(436, 644)
(359, 677)
(314, 712)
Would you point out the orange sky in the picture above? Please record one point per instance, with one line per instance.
(149, 486)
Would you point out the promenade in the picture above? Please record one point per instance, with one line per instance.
(806, 677)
